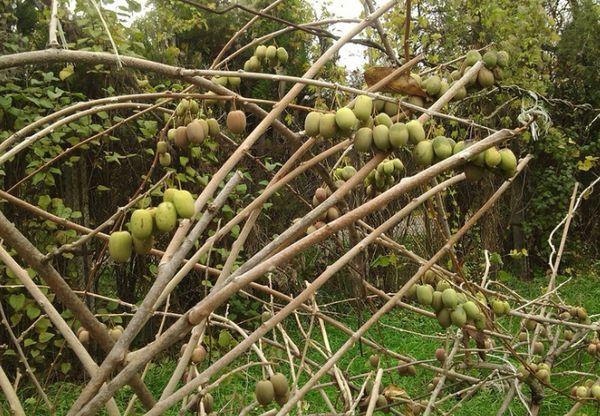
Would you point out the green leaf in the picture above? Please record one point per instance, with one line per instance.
(65, 367)
(17, 301)
(32, 312)
(46, 336)
(66, 72)
(28, 342)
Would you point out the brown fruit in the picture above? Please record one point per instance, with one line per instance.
(440, 355)
(538, 347)
(199, 354)
(209, 402)
(115, 333)
(374, 360)
(264, 391)
(321, 194)
(280, 385)
(236, 121)
(83, 335)
(333, 214)
(195, 132)
(181, 139)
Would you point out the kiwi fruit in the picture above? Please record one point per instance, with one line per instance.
(171, 134)
(442, 147)
(162, 147)
(381, 137)
(213, 127)
(311, 124)
(390, 108)
(416, 132)
(181, 139)
(199, 354)
(440, 355)
(208, 402)
(345, 119)
(437, 304)
(383, 119)
(261, 52)
(141, 224)
(196, 132)
(490, 59)
(327, 126)
(374, 360)
(363, 107)
(280, 385)
(538, 347)
(423, 153)
(458, 316)
(449, 298)
(184, 204)
(115, 333)
(444, 318)
(143, 246)
(433, 85)
(164, 159)
(265, 316)
(264, 391)
(471, 309)
(425, 294)
(236, 121)
(398, 135)
(222, 81)
(271, 52)
(234, 81)
(165, 217)
(120, 246)
(502, 59)
(83, 335)
(363, 139)
(348, 172)
(508, 160)
(472, 57)
(282, 55)
(485, 78)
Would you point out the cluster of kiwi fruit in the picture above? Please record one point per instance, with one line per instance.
(387, 173)
(333, 213)
(588, 390)
(233, 82)
(540, 371)
(381, 404)
(145, 222)
(275, 388)
(84, 335)
(450, 307)
(494, 63)
(593, 347)
(270, 56)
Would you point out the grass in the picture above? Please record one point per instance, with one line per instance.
(237, 391)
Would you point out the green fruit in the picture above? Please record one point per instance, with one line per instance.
(472, 79)
(236, 121)
(458, 316)
(398, 135)
(165, 217)
(183, 107)
(195, 132)
(381, 137)
(472, 57)
(327, 126)
(234, 81)
(169, 194)
(416, 133)
(417, 78)
(282, 55)
(378, 105)
(455, 75)
(398, 165)
(141, 224)
(184, 204)
(181, 139)
(171, 134)
(595, 390)
(508, 160)
(485, 78)
(442, 147)
(471, 309)
(443, 88)
(280, 384)
(120, 245)
(425, 294)
(248, 67)
(162, 147)
(382, 119)
(264, 391)
(381, 402)
(332, 214)
(503, 59)
(164, 159)
(582, 392)
(423, 153)
(411, 292)
(416, 100)
(390, 108)
(442, 285)
(311, 124)
(444, 318)
(543, 375)
(260, 52)
(433, 85)
(492, 157)
(271, 52)
(348, 172)
(449, 298)
(363, 107)
(363, 139)
(498, 307)
(388, 167)
(460, 93)
(213, 127)
(252, 64)
(480, 322)
(437, 304)
(345, 119)
(490, 59)
(498, 73)
(143, 246)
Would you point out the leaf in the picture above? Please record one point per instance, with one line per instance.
(17, 301)
(65, 367)
(46, 336)
(66, 72)
(28, 342)
(32, 312)
(402, 84)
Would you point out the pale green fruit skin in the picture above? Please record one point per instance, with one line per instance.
(459, 147)
(252, 64)
(311, 123)
(379, 105)
(143, 246)
(327, 126)
(213, 127)
(449, 298)
(433, 85)
(220, 80)
(492, 157)
(169, 194)
(503, 59)
(398, 165)
(265, 393)
(416, 132)
(471, 309)
(485, 78)
(443, 87)
(234, 81)
(437, 304)
(391, 109)
(595, 390)
(460, 94)
(271, 52)
(383, 119)
(417, 78)
(348, 172)
(508, 160)
(459, 316)
(141, 224)
(398, 135)
(345, 118)
(416, 100)
(120, 246)
(388, 167)
(184, 204)
(425, 294)
(472, 58)
(423, 153)
(381, 137)
(363, 139)
(171, 134)
(280, 384)
(490, 59)
(165, 217)
(161, 147)
(282, 55)
(164, 159)
(442, 147)
(195, 132)
(260, 52)
(363, 107)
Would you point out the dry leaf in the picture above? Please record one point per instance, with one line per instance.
(402, 84)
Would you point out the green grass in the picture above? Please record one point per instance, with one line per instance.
(237, 391)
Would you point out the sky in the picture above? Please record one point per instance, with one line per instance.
(351, 55)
